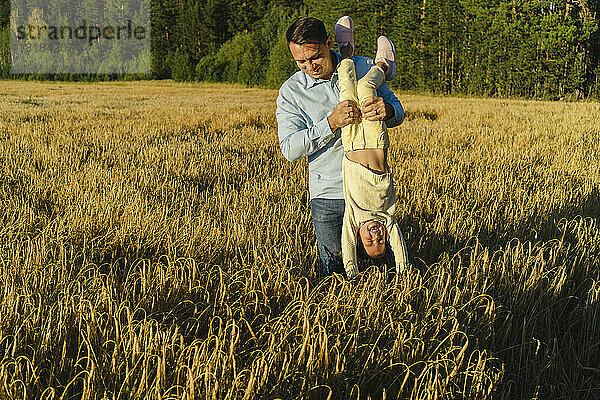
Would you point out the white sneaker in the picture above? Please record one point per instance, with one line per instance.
(386, 53)
(344, 35)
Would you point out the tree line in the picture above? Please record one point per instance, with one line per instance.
(521, 48)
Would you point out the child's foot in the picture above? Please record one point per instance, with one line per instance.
(344, 36)
(386, 56)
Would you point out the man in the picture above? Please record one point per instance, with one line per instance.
(310, 118)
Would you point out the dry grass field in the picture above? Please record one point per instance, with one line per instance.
(154, 243)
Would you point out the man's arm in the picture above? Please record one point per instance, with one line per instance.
(386, 108)
(296, 139)
(390, 99)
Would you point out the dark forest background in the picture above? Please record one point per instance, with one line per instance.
(521, 48)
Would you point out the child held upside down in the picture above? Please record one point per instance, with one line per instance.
(369, 224)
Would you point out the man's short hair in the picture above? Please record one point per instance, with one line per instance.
(306, 30)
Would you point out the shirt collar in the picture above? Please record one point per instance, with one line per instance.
(311, 82)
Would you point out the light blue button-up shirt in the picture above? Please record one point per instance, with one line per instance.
(303, 105)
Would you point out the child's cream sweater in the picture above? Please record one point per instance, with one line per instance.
(369, 196)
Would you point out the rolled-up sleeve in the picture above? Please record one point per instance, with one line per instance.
(389, 97)
(296, 138)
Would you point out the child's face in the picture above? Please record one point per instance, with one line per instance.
(372, 235)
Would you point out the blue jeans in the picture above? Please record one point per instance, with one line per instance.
(327, 215)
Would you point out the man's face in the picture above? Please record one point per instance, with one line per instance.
(314, 59)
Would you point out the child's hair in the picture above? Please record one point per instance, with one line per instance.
(364, 261)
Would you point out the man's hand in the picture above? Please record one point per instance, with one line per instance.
(374, 109)
(345, 113)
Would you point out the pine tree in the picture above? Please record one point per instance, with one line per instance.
(213, 29)
(164, 16)
(4, 13)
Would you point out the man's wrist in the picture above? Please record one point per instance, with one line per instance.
(332, 126)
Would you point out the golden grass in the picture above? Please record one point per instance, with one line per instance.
(155, 244)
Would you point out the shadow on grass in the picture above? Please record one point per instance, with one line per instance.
(412, 115)
(545, 328)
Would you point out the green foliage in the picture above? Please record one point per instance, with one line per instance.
(4, 52)
(164, 15)
(4, 12)
(281, 64)
(500, 48)
(181, 67)
(209, 69)
(238, 60)
(253, 58)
